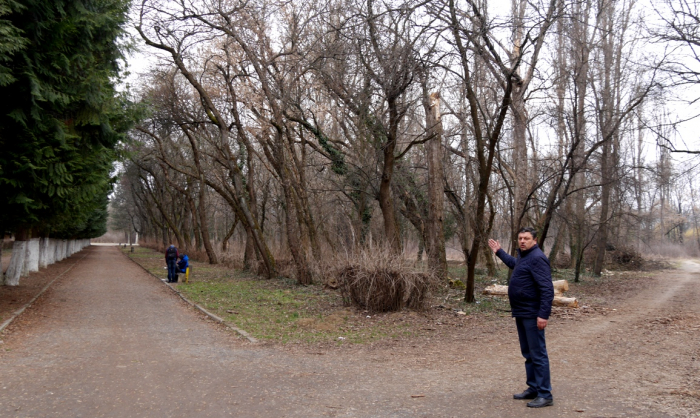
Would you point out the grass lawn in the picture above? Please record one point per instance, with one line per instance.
(281, 311)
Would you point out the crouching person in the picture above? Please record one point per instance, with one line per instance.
(183, 266)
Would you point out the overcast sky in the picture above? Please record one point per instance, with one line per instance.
(140, 61)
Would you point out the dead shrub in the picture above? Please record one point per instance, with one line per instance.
(196, 255)
(382, 282)
(626, 257)
(616, 258)
(231, 260)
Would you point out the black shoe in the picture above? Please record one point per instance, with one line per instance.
(528, 394)
(540, 402)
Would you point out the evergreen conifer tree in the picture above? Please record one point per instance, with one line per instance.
(61, 117)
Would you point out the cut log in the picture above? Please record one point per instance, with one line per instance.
(565, 302)
(496, 290)
(560, 286)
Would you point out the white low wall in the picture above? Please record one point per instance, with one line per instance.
(30, 256)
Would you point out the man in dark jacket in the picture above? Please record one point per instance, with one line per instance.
(531, 293)
(171, 256)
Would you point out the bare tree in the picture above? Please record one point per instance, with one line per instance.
(487, 124)
(382, 49)
(680, 36)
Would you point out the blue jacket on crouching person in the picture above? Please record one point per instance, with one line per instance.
(183, 263)
(530, 290)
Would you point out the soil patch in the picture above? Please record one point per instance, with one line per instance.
(13, 298)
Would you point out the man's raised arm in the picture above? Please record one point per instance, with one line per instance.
(507, 259)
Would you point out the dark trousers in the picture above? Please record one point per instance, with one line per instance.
(534, 349)
(172, 270)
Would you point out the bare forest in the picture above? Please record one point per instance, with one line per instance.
(292, 137)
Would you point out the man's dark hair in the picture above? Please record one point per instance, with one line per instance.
(529, 229)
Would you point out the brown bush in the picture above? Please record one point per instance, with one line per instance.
(625, 258)
(380, 282)
(616, 258)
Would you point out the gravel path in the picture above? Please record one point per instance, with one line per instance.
(109, 340)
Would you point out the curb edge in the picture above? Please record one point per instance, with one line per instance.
(196, 306)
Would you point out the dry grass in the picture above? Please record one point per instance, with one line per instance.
(380, 281)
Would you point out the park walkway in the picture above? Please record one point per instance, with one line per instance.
(110, 340)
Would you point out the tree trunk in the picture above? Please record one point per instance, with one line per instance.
(693, 201)
(195, 218)
(578, 265)
(436, 190)
(229, 234)
(296, 248)
(304, 276)
(421, 248)
(204, 224)
(301, 188)
(386, 202)
(580, 61)
(16, 267)
(43, 252)
(250, 256)
(605, 106)
(31, 262)
(609, 106)
(519, 118)
(556, 246)
(639, 187)
(19, 252)
(604, 209)
(520, 165)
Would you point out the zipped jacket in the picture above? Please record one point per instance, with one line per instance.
(530, 290)
(183, 263)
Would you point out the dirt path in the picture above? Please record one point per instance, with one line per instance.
(110, 340)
